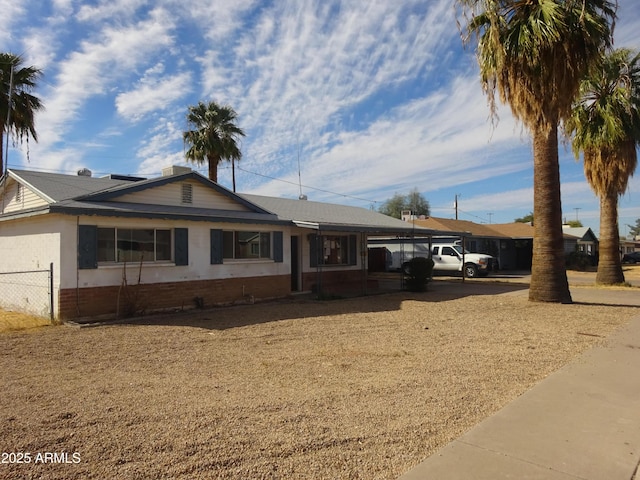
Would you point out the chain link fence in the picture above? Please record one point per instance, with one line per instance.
(29, 291)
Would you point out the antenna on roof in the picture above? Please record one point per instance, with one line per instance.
(302, 196)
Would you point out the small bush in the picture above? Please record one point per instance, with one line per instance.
(580, 261)
(418, 272)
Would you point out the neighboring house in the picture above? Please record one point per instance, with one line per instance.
(125, 245)
(510, 243)
(629, 245)
(580, 239)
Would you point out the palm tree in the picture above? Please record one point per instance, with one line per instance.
(534, 54)
(606, 126)
(17, 105)
(214, 136)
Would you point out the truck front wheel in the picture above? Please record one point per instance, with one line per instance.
(470, 270)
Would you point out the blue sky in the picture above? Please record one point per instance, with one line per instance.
(371, 98)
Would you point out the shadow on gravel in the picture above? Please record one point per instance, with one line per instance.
(610, 304)
(308, 306)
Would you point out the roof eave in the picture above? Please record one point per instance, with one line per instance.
(21, 180)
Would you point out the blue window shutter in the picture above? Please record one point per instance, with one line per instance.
(87, 246)
(216, 247)
(278, 249)
(181, 252)
(353, 250)
(315, 248)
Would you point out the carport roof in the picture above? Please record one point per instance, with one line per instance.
(328, 216)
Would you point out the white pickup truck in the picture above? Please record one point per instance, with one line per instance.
(448, 257)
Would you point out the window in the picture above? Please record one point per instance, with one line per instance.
(333, 250)
(133, 245)
(246, 245)
(448, 251)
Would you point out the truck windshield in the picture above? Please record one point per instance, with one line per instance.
(458, 249)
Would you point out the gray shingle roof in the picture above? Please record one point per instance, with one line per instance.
(328, 215)
(58, 187)
(91, 195)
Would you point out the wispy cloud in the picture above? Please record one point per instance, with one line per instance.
(97, 66)
(433, 142)
(11, 13)
(372, 98)
(152, 94)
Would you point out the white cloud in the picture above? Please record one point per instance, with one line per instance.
(434, 142)
(156, 151)
(91, 70)
(12, 12)
(302, 66)
(152, 94)
(108, 9)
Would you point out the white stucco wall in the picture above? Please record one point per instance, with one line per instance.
(34, 243)
(199, 267)
(27, 245)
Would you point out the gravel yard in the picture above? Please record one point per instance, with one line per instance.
(359, 388)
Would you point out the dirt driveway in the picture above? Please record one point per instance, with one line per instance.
(357, 388)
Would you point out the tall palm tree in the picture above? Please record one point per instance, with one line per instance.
(214, 136)
(17, 105)
(606, 126)
(534, 54)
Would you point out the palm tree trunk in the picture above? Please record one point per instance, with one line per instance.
(610, 264)
(548, 272)
(213, 169)
(233, 174)
(2, 149)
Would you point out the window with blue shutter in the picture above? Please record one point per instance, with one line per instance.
(87, 246)
(353, 250)
(181, 252)
(315, 246)
(216, 241)
(278, 248)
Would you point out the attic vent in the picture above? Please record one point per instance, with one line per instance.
(20, 193)
(187, 193)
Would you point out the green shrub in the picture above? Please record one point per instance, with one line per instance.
(418, 272)
(579, 261)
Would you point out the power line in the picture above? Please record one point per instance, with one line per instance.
(71, 172)
(307, 186)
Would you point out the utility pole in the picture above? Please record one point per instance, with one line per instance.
(577, 209)
(490, 214)
(455, 204)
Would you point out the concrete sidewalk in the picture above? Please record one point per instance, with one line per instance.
(581, 422)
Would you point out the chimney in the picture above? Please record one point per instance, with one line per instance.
(174, 170)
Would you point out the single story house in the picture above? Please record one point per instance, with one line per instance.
(584, 240)
(123, 245)
(510, 243)
(629, 245)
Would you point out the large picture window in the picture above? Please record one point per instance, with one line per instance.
(134, 245)
(333, 250)
(246, 245)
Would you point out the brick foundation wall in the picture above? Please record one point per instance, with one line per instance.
(336, 282)
(145, 298)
